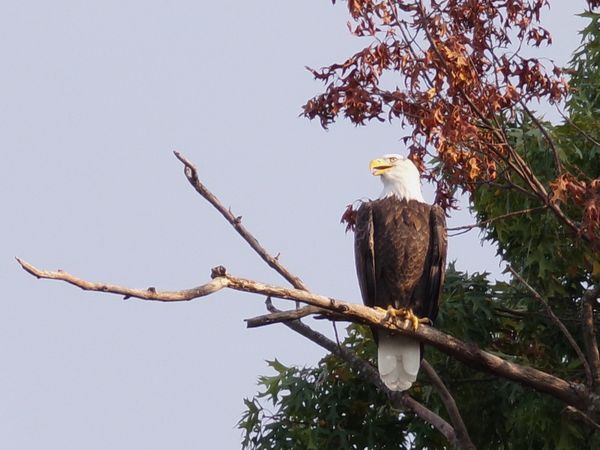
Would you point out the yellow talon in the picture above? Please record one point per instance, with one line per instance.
(413, 319)
(392, 313)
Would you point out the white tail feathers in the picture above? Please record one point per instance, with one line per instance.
(398, 359)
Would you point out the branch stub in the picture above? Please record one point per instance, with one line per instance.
(217, 272)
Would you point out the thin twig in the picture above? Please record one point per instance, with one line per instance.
(294, 314)
(191, 174)
(462, 435)
(581, 130)
(510, 186)
(561, 326)
(524, 315)
(493, 219)
(145, 294)
(557, 161)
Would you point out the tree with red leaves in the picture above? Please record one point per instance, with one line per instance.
(462, 82)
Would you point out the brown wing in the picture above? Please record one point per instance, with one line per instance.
(364, 253)
(433, 277)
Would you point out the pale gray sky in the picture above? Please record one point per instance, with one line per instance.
(95, 96)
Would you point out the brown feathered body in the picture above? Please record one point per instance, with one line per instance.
(400, 250)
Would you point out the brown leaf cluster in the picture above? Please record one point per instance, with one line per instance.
(349, 217)
(443, 69)
(585, 194)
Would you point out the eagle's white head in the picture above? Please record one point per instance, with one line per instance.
(400, 177)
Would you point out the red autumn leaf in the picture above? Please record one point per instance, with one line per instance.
(349, 218)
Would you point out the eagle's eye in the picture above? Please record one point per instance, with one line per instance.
(393, 159)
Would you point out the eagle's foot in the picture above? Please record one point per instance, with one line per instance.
(391, 313)
(404, 314)
(414, 319)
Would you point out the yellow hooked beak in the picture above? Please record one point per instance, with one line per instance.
(379, 166)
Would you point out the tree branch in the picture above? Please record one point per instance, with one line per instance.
(561, 326)
(467, 353)
(538, 124)
(145, 294)
(191, 173)
(589, 333)
(580, 415)
(465, 228)
(293, 314)
(462, 435)
(581, 130)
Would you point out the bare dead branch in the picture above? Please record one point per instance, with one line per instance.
(145, 294)
(467, 353)
(494, 219)
(549, 140)
(525, 172)
(462, 435)
(191, 173)
(561, 326)
(399, 399)
(581, 130)
(294, 314)
(589, 333)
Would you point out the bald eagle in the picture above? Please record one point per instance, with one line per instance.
(400, 251)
